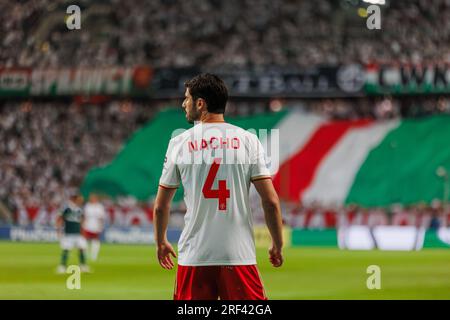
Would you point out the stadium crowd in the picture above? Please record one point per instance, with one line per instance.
(213, 34)
(317, 216)
(47, 148)
(380, 108)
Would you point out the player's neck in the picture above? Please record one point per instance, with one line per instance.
(211, 117)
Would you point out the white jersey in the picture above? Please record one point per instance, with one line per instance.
(94, 215)
(216, 163)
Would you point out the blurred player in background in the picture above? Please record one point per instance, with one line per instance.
(217, 255)
(93, 224)
(68, 225)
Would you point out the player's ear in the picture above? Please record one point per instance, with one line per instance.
(201, 105)
(198, 104)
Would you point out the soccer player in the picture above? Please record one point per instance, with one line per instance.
(94, 221)
(216, 162)
(68, 225)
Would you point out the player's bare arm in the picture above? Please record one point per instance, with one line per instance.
(161, 220)
(272, 215)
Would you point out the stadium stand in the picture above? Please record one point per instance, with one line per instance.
(214, 33)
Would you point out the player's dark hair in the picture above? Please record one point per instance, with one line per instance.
(210, 88)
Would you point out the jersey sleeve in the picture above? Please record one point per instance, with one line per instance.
(258, 165)
(63, 211)
(170, 177)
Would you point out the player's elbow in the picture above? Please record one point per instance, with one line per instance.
(160, 210)
(271, 203)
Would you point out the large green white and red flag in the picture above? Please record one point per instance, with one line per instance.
(372, 163)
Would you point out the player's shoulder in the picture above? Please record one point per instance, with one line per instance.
(178, 137)
(93, 206)
(65, 208)
(249, 135)
(90, 207)
(236, 130)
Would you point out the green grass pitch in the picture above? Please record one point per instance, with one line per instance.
(27, 271)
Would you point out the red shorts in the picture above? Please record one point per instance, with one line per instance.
(91, 235)
(224, 282)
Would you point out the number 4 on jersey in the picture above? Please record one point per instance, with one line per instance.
(222, 193)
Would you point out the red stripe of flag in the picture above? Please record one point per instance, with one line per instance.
(297, 173)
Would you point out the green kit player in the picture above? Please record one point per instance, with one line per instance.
(68, 225)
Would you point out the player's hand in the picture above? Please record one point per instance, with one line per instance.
(275, 256)
(164, 251)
